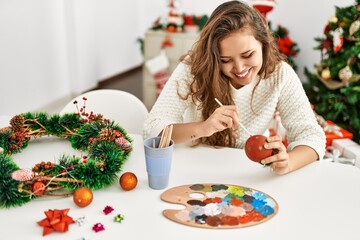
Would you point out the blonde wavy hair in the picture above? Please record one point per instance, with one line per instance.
(204, 58)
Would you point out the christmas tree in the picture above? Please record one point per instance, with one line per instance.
(334, 87)
(286, 45)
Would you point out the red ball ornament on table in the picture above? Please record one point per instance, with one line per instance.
(128, 181)
(255, 150)
(39, 188)
(83, 197)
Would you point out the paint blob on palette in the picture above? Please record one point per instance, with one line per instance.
(219, 205)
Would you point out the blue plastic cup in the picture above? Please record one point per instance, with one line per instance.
(158, 163)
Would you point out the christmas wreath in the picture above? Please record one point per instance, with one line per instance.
(106, 144)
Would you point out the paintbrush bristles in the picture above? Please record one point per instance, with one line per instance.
(166, 136)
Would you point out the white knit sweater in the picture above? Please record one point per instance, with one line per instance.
(282, 92)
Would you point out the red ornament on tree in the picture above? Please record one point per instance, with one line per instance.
(263, 6)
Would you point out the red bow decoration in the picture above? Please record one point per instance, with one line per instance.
(56, 220)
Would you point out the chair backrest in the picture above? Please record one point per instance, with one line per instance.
(122, 107)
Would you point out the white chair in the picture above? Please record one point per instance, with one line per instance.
(122, 107)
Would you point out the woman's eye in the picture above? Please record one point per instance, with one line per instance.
(225, 60)
(249, 55)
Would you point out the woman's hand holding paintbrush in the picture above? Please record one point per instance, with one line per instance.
(222, 118)
(238, 122)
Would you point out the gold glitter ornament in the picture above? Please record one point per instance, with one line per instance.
(345, 74)
(128, 181)
(83, 197)
(325, 74)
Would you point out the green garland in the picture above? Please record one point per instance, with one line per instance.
(106, 143)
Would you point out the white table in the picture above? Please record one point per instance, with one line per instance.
(319, 201)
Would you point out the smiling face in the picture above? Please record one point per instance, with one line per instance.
(241, 57)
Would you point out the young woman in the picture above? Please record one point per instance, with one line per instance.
(236, 61)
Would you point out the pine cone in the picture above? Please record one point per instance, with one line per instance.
(124, 144)
(17, 122)
(127, 149)
(107, 134)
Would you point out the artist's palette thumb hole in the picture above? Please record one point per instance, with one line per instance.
(218, 205)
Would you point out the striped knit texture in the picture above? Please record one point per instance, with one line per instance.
(282, 92)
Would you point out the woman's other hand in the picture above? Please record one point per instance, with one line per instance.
(280, 160)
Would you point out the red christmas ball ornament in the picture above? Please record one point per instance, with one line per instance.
(128, 181)
(38, 188)
(82, 197)
(255, 150)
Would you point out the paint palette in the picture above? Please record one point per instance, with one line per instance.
(219, 205)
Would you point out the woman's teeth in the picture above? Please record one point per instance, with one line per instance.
(243, 74)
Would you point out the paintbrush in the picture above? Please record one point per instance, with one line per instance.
(241, 125)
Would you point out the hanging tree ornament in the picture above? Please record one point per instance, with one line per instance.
(338, 39)
(345, 74)
(263, 6)
(333, 19)
(354, 27)
(325, 74)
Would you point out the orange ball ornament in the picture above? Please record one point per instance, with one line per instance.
(128, 181)
(39, 188)
(82, 197)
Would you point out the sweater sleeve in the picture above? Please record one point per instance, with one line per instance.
(169, 107)
(297, 115)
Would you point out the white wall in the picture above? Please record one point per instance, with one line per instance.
(53, 49)
(33, 66)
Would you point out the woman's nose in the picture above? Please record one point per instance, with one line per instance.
(239, 66)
